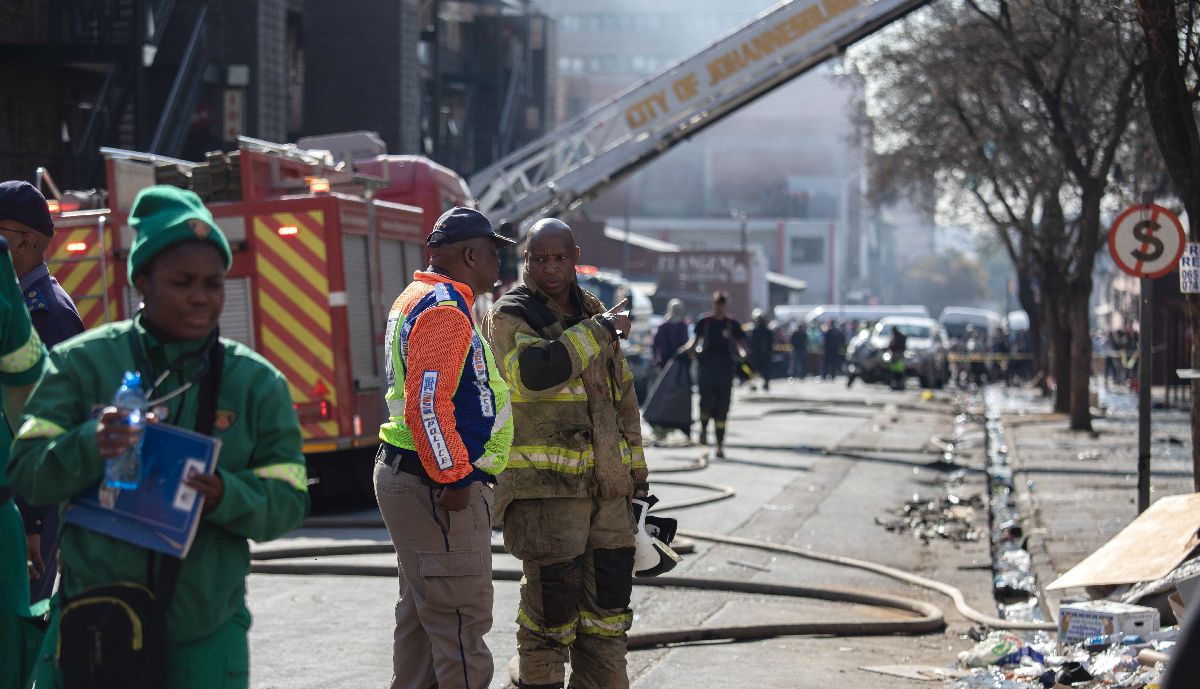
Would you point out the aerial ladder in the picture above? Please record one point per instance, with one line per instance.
(554, 174)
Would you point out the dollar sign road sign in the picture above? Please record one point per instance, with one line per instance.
(1146, 241)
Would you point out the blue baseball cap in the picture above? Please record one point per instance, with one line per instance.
(21, 201)
(460, 224)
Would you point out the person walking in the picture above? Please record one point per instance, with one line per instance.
(577, 463)
(720, 343)
(762, 347)
(830, 343)
(26, 224)
(897, 366)
(799, 341)
(447, 436)
(194, 379)
(671, 334)
(21, 364)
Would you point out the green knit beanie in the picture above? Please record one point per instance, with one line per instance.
(164, 216)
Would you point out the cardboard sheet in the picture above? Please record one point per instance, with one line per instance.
(1155, 543)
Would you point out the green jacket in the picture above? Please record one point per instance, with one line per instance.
(575, 414)
(266, 486)
(24, 355)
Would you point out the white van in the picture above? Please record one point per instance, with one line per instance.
(956, 319)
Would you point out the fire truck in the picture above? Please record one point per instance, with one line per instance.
(319, 252)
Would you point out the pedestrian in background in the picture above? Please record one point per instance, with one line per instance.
(26, 224)
(829, 351)
(576, 464)
(799, 341)
(762, 347)
(20, 365)
(719, 342)
(194, 380)
(671, 334)
(446, 439)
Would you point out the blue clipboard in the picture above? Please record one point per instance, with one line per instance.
(163, 513)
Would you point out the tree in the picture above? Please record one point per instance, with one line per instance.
(1169, 79)
(1023, 108)
(943, 280)
(1082, 63)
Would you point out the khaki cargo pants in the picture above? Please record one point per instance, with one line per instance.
(445, 604)
(577, 560)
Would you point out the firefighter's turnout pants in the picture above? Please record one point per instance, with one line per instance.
(445, 604)
(577, 557)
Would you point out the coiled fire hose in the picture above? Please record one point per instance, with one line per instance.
(928, 618)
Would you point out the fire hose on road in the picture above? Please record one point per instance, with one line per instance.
(928, 617)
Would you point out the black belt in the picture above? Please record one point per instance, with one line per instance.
(403, 460)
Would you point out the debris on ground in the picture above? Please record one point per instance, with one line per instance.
(1007, 660)
(949, 517)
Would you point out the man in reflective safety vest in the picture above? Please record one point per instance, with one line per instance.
(447, 437)
(575, 466)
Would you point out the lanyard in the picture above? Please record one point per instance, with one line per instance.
(179, 364)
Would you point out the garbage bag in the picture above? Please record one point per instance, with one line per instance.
(669, 404)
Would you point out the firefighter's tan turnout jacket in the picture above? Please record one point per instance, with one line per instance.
(575, 413)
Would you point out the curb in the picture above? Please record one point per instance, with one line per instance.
(1027, 501)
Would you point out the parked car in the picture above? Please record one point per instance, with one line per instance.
(925, 354)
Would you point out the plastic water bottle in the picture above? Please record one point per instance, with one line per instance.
(125, 470)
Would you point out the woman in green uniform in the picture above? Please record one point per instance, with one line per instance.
(178, 261)
(20, 366)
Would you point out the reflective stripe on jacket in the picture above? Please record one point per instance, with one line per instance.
(578, 428)
(446, 400)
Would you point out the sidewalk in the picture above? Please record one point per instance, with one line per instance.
(1078, 490)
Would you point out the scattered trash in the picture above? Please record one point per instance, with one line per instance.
(1077, 622)
(1181, 587)
(1013, 587)
(950, 517)
(1000, 648)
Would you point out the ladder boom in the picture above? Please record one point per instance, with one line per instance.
(594, 150)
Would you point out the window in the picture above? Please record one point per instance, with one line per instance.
(807, 250)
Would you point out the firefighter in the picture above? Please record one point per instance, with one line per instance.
(721, 343)
(26, 224)
(194, 380)
(448, 434)
(576, 464)
(20, 366)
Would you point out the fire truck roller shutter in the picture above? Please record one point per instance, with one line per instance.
(237, 318)
(358, 312)
(394, 271)
(414, 259)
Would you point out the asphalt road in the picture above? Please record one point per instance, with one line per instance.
(326, 631)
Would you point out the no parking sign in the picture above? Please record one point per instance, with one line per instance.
(1146, 241)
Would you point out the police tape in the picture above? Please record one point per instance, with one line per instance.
(959, 357)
